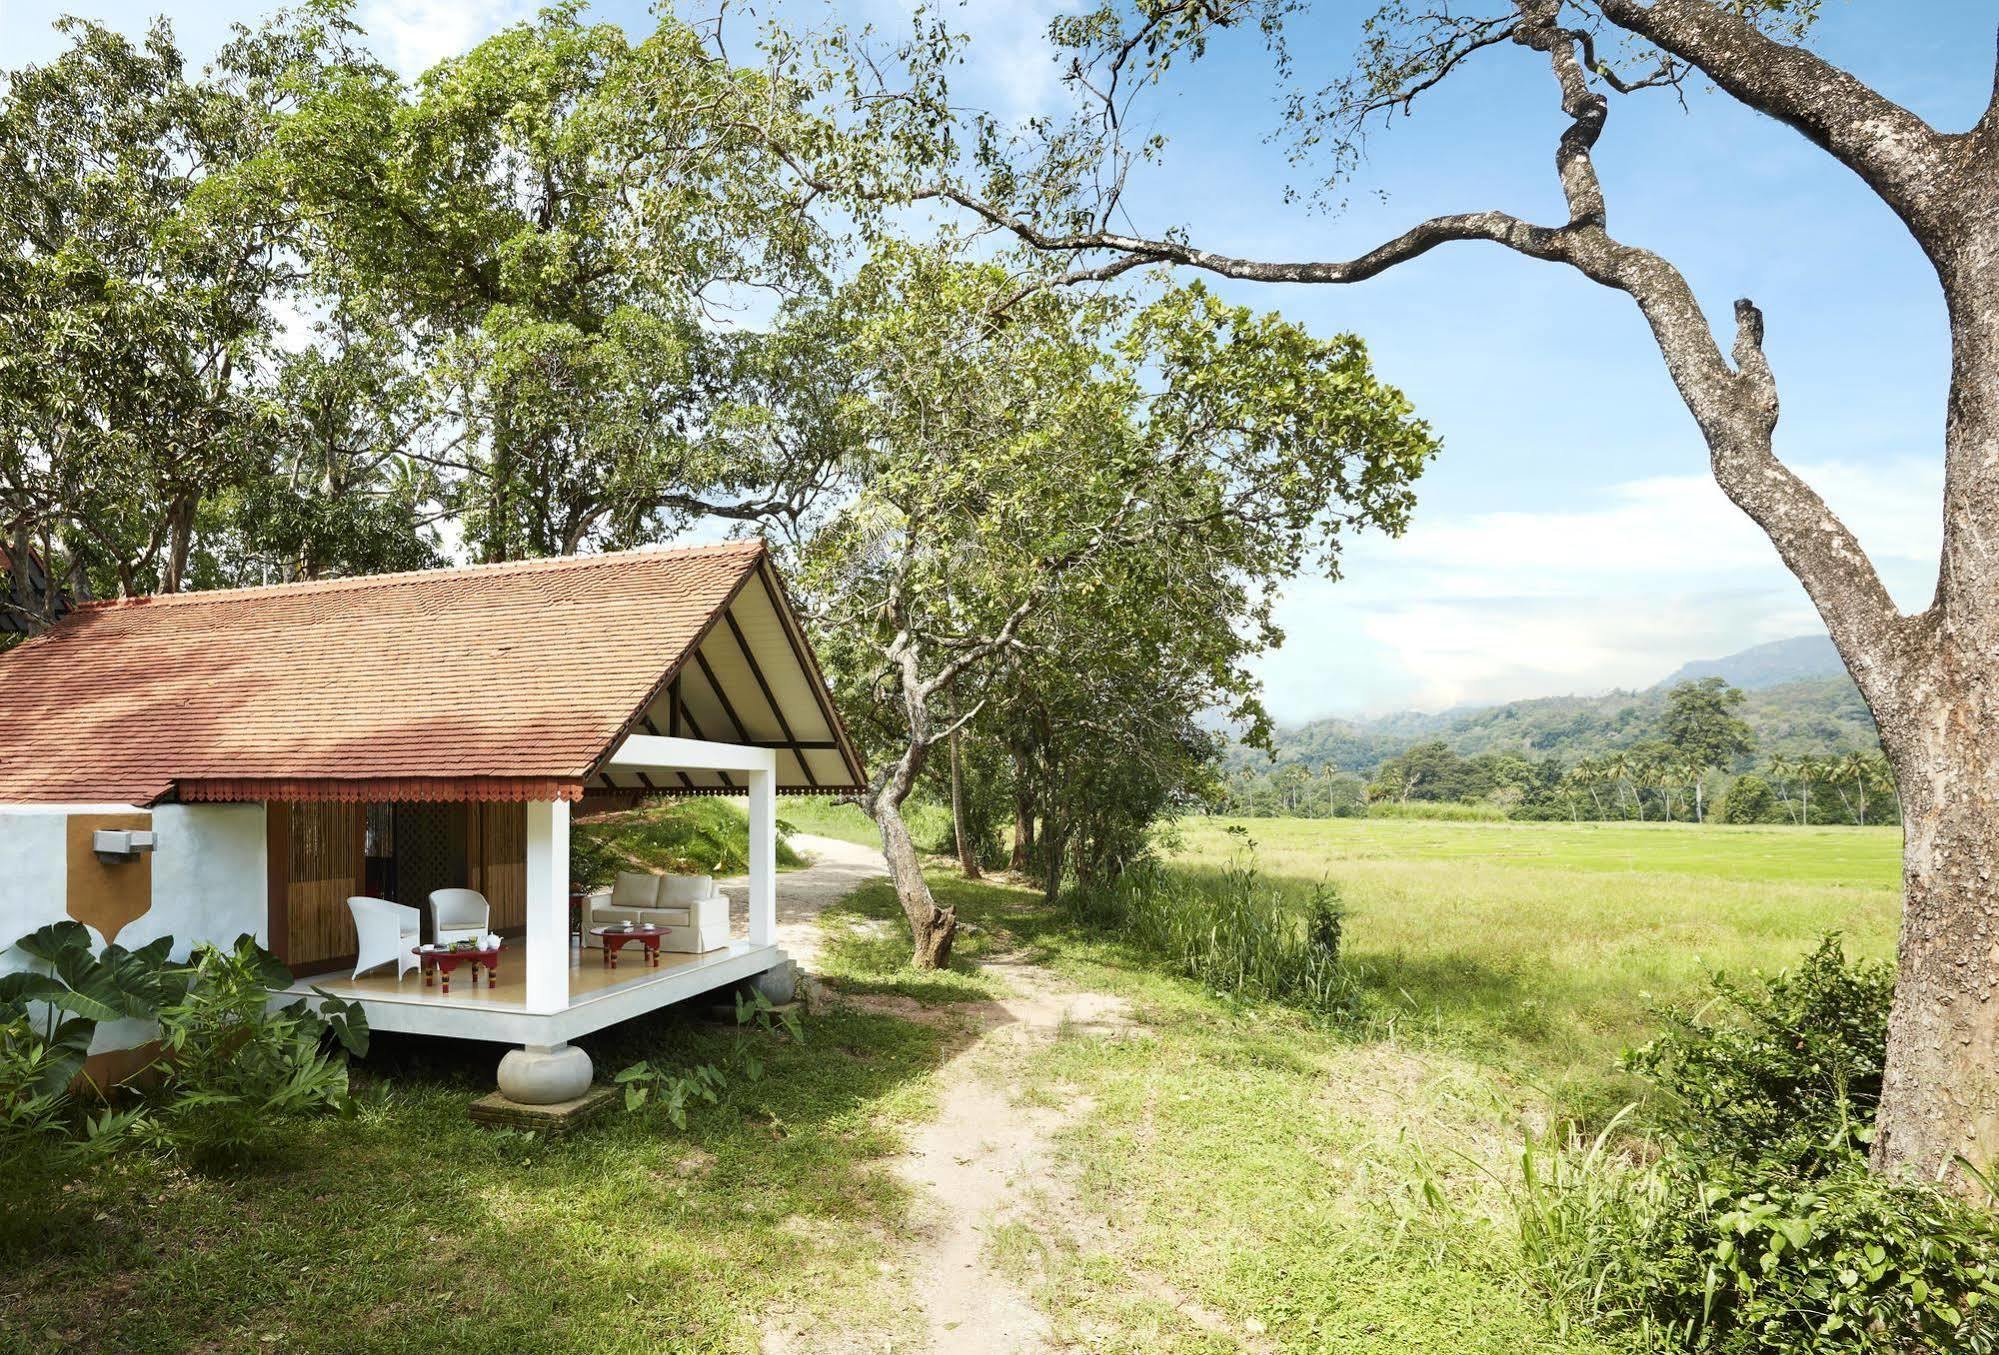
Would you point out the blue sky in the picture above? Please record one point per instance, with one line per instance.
(1569, 538)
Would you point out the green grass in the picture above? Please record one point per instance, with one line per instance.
(1839, 857)
(821, 817)
(1236, 1170)
(700, 835)
(929, 823)
(1249, 1163)
(1541, 948)
(408, 1228)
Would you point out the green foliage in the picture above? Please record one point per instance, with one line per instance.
(1797, 722)
(1759, 1228)
(699, 835)
(234, 1063)
(1233, 931)
(677, 1089)
(1701, 724)
(1749, 800)
(1715, 1255)
(230, 1063)
(1785, 1068)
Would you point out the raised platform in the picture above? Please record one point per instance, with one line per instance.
(598, 995)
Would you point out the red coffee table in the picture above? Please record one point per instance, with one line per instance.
(614, 939)
(444, 960)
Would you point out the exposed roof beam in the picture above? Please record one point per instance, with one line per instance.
(770, 698)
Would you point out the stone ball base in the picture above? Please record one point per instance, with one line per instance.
(779, 983)
(541, 1076)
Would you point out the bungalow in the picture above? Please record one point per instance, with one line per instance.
(209, 764)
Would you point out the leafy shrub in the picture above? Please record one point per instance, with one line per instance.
(234, 1063)
(1716, 1255)
(48, 1016)
(1758, 1227)
(678, 1089)
(1785, 1068)
(1232, 931)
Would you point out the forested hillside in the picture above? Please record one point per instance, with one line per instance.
(1789, 718)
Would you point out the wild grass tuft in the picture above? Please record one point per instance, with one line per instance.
(1232, 931)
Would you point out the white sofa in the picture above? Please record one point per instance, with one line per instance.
(691, 909)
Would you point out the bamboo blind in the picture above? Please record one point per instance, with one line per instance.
(497, 843)
(325, 869)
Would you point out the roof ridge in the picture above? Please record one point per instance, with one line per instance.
(548, 564)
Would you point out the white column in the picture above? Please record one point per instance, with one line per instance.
(547, 959)
(763, 858)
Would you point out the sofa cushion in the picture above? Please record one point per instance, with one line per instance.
(678, 891)
(634, 890)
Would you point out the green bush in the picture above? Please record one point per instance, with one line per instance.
(1749, 800)
(1716, 1255)
(231, 1064)
(1757, 1229)
(234, 1064)
(1785, 1068)
(1232, 931)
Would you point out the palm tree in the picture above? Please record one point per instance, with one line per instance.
(1782, 769)
(1695, 774)
(1865, 773)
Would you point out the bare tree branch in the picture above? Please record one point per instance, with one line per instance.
(1900, 156)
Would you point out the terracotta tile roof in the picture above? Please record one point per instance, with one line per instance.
(505, 680)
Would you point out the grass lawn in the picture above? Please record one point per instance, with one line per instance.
(1251, 1165)
(408, 1228)
(1239, 1175)
(1538, 948)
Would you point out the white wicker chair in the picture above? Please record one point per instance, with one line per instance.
(384, 933)
(458, 915)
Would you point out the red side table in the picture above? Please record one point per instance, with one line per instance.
(615, 937)
(443, 960)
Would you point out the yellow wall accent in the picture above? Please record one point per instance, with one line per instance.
(103, 895)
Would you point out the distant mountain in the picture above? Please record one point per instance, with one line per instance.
(1760, 666)
(1799, 701)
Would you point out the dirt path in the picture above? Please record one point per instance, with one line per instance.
(986, 1160)
(838, 868)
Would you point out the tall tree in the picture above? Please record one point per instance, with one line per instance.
(143, 254)
(1008, 465)
(555, 216)
(1060, 187)
(1703, 728)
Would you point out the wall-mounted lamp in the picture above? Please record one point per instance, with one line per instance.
(120, 844)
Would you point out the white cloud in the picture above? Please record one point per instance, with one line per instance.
(1481, 607)
(414, 35)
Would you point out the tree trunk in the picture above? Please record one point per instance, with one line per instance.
(1940, 1097)
(180, 539)
(1938, 711)
(934, 928)
(968, 850)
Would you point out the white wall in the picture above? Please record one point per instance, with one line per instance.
(209, 877)
(34, 870)
(209, 882)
